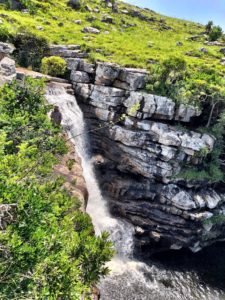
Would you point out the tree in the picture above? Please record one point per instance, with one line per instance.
(208, 27)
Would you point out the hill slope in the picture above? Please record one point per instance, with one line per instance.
(136, 38)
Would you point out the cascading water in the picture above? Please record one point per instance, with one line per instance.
(129, 279)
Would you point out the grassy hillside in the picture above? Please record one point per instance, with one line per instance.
(129, 41)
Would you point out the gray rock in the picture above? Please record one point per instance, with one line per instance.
(203, 50)
(78, 22)
(91, 30)
(7, 67)
(83, 91)
(165, 108)
(183, 201)
(186, 112)
(212, 199)
(86, 67)
(79, 77)
(73, 63)
(131, 79)
(107, 19)
(6, 48)
(106, 73)
(88, 8)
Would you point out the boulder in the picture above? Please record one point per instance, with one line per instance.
(91, 30)
(107, 19)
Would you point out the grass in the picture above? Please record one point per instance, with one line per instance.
(125, 46)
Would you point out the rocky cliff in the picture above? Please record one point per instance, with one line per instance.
(139, 149)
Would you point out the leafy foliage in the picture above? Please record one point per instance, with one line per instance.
(215, 33)
(50, 250)
(53, 65)
(30, 49)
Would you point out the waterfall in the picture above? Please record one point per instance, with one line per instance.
(130, 279)
(73, 121)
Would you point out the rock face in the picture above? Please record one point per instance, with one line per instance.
(140, 151)
(69, 51)
(7, 65)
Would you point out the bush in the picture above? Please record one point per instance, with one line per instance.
(76, 4)
(53, 65)
(4, 34)
(215, 33)
(30, 49)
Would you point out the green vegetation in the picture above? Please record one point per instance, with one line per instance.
(53, 65)
(214, 32)
(30, 49)
(49, 251)
(131, 41)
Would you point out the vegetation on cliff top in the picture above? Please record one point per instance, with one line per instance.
(137, 37)
(49, 251)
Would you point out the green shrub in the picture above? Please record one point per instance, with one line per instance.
(75, 4)
(30, 49)
(215, 33)
(53, 65)
(4, 34)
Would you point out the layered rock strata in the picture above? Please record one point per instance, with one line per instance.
(139, 149)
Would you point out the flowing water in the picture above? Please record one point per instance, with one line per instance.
(131, 279)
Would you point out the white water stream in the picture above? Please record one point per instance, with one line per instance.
(129, 279)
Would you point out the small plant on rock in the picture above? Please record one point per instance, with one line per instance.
(53, 65)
